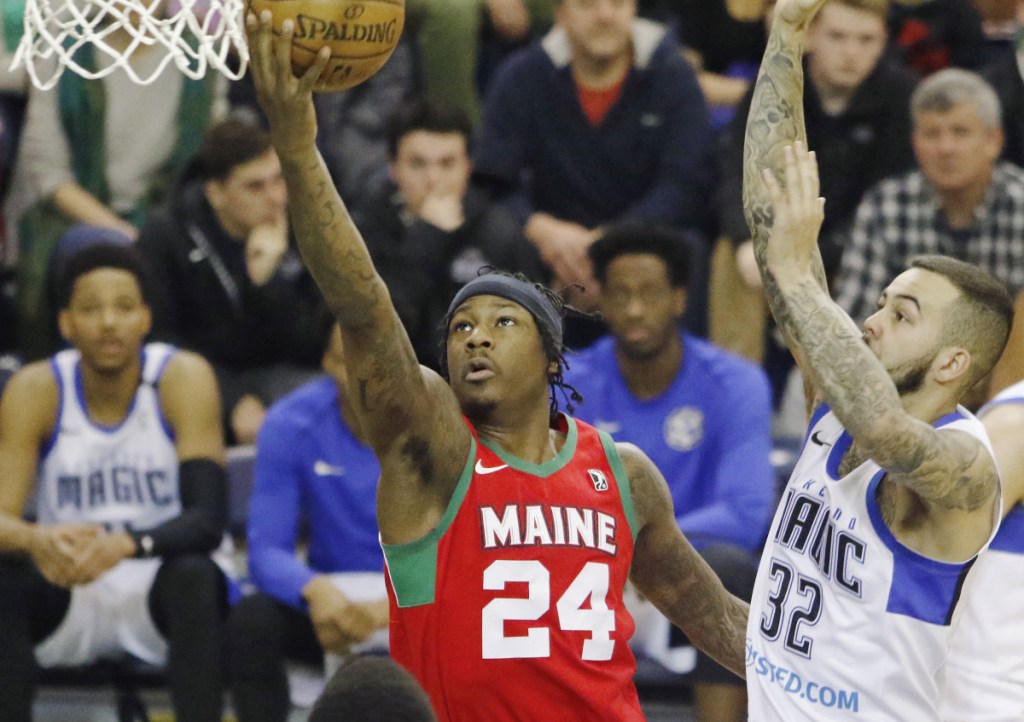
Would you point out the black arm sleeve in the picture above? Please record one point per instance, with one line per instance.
(200, 526)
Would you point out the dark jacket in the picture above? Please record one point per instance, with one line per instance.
(423, 265)
(1005, 76)
(232, 323)
(867, 142)
(650, 158)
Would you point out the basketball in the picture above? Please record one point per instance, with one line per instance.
(361, 34)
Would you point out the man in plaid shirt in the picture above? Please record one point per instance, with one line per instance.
(961, 202)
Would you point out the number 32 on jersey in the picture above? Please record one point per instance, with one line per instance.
(591, 582)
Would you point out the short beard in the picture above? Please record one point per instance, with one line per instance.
(909, 376)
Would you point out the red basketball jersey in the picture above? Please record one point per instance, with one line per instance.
(511, 609)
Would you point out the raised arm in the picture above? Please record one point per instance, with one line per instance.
(776, 120)
(947, 470)
(669, 571)
(410, 417)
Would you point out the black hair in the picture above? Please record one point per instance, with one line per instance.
(227, 145)
(101, 255)
(372, 689)
(554, 349)
(426, 116)
(672, 246)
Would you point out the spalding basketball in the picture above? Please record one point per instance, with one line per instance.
(361, 34)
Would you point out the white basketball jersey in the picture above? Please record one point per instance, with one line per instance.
(845, 622)
(123, 476)
(985, 674)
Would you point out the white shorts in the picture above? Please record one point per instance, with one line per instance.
(108, 618)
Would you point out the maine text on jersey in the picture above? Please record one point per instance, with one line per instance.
(524, 525)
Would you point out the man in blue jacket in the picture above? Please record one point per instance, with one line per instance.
(605, 121)
(313, 475)
(701, 414)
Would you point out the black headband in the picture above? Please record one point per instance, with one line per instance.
(525, 294)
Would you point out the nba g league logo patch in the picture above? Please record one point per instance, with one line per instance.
(600, 480)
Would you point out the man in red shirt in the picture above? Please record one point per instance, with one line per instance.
(509, 530)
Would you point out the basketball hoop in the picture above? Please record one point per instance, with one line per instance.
(194, 34)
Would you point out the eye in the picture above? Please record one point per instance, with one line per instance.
(506, 321)
(899, 316)
(461, 326)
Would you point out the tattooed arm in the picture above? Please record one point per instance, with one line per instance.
(775, 120)
(409, 415)
(947, 469)
(669, 571)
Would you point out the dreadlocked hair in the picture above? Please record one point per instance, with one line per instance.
(553, 348)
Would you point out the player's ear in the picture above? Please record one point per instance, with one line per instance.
(953, 364)
(64, 324)
(679, 301)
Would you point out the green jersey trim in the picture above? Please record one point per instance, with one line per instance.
(412, 567)
(549, 467)
(615, 462)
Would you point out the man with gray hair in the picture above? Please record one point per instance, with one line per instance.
(961, 201)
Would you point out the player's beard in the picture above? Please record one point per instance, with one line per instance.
(909, 376)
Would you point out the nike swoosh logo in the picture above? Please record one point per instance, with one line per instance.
(322, 468)
(816, 440)
(481, 469)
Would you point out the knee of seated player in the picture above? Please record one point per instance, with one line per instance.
(255, 624)
(191, 580)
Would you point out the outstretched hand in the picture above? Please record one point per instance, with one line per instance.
(287, 100)
(798, 211)
(796, 13)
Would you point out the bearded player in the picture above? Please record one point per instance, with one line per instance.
(509, 529)
(895, 492)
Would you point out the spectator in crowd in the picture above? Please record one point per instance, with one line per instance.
(603, 120)
(929, 35)
(122, 442)
(857, 112)
(428, 231)
(723, 39)
(448, 36)
(352, 125)
(314, 476)
(961, 201)
(229, 285)
(985, 673)
(701, 414)
(372, 689)
(87, 158)
(1007, 78)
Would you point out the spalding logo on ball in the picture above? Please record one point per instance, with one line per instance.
(361, 34)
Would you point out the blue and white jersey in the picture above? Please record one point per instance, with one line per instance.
(847, 623)
(985, 676)
(123, 476)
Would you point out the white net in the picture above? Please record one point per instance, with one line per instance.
(194, 34)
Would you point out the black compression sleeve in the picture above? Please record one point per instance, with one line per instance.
(204, 511)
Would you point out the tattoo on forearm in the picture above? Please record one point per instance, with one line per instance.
(776, 120)
(681, 583)
(938, 466)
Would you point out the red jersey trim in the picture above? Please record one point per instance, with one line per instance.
(412, 567)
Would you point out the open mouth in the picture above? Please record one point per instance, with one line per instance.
(479, 369)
